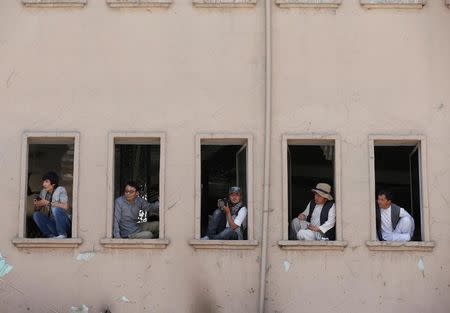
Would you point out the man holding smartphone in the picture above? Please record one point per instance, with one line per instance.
(228, 221)
(51, 208)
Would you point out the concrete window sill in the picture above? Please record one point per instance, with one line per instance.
(224, 244)
(312, 245)
(54, 3)
(138, 3)
(47, 242)
(315, 4)
(224, 3)
(400, 246)
(393, 4)
(134, 243)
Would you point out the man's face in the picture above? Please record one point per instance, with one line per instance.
(235, 197)
(130, 193)
(383, 202)
(47, 185)
(318, 199)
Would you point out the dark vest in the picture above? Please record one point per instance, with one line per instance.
(395, 217)
(331, 234)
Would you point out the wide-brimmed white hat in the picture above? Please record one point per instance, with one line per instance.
(323, 190)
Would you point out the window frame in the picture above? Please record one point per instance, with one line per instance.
(54, 3)
(224, 139)
(46, 137)
(311, 139)
(135, 137)
(224, 3)
(309, 4)
(139, 3)
(393, 4)
(397, 140)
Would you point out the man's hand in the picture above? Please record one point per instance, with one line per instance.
(302, 217)
(226, 209)
(41, 202)
(314, 228)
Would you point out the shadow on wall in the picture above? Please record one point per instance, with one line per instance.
(203, 302)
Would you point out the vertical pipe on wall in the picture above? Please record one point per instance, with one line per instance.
(267, 148)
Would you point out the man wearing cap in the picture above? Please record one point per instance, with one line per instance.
(228, 222)
(393, 222)
(318, 220)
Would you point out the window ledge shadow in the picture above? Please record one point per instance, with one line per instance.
(376, 245)
(54, 3)
(224, 244)
(134, 243)
(47, 242)
(312, 245)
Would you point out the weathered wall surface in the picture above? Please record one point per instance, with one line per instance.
(356, 72)
(184, 70)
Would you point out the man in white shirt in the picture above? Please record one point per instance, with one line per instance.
(393, 222)
(229, 221)
(318, 220)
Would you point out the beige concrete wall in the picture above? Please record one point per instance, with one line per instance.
(185, 70)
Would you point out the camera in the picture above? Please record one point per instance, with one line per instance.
(37, 198)
(221, 203)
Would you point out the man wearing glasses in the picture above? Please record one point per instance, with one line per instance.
(130, 215)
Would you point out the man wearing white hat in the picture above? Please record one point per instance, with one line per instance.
(318, 220)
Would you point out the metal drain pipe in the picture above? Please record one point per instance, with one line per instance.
(267, 148)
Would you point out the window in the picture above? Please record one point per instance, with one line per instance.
(44, 152)
(307, 161)
(398, 164)
(223, 161)
(137, 157)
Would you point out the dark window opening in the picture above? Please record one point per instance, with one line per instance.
(308, 165)
(43, 158)
(138, 163)
(222, 166)
(397, 168)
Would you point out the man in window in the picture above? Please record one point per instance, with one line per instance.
(131, 214)
(51, 208)
(318, 220)
(393, 222)
(229, 220)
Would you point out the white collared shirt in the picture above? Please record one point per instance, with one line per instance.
(315, 218)
(241, 218)
(395, 234)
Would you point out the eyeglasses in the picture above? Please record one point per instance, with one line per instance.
(130, 191)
